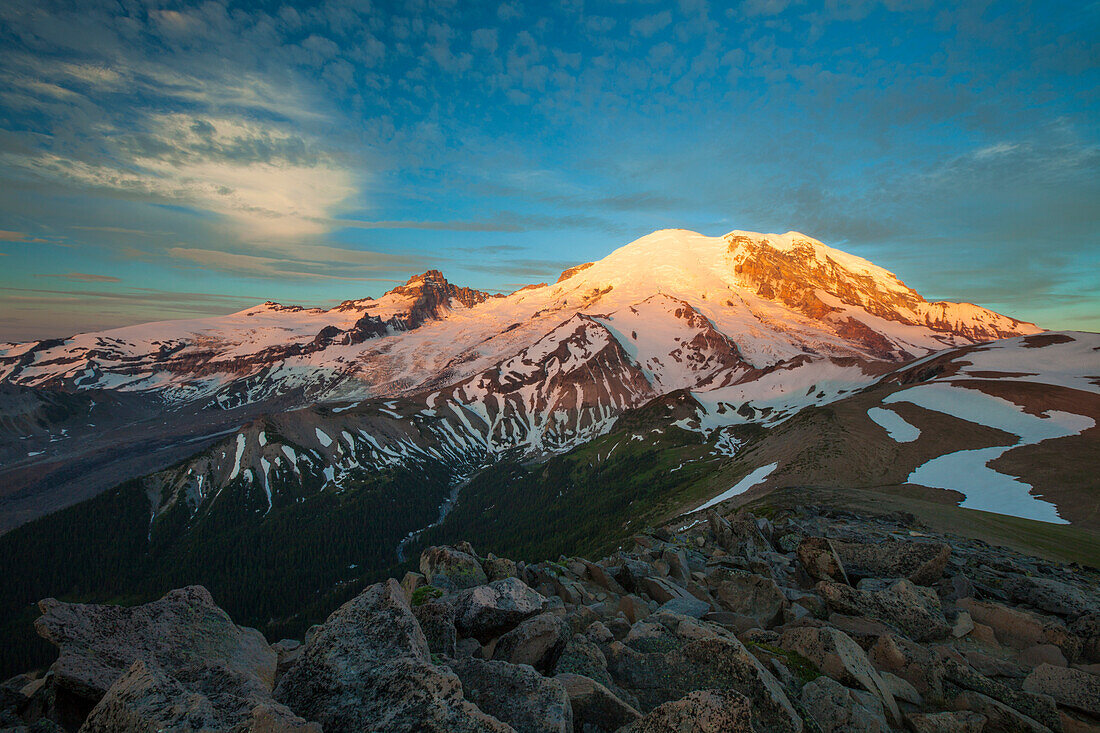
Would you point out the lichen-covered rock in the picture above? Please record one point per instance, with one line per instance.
(537, 641)
(912, 609)
(750, 595)
(947, 722)
(715, 663)
(1070, 687)
(837, 709)
(451, 568)
(595, 706)
(1020, 629)
(820, 560)
(836, 655)
(205, 696)
(516, 695)
(921, 562)
(493, 609)
(367, 668)
(702, 711)
(999, 717)
(1051, 595)
(437, 621)
(1035, 706)
(99, 643)
(1086, 627)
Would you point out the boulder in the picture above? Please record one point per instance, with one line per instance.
(702, 711)
(98, 644)
(368, 668)
(835, 654)
(663, 590)
(685, 607)
(1070, 687)
(516, 695)
(914, 610)
(499, 568)
(437, 621)
(750, 595)
(204, 696)
(999, 717)
(909, 661)
(1050, 595)
(1021, 629)
(717, 663)
(1087, 628)
(836, 709)
(921, 562)
(537, 641)
(949, 722)
(490, 610)
(1035, 706)
(820, 560)
(594, 705)
(450, 568)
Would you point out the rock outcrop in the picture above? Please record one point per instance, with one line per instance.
(733, 624)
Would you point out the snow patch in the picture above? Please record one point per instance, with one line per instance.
(894, 425)
(753, 479)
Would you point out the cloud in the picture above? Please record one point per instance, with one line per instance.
(84, 277)
(301, 262)
(6, 236)
(650, 24)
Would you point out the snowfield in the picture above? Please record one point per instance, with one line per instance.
(967, 471)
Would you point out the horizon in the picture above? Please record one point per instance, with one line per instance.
(186, 161)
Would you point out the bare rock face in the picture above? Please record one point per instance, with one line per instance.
(209, 697)
(368, 668)
(451, 569)
(749, 595)
(921, 562)
(912, 609)
(98, 644)
(706, 711)
(493, 609)
(516, 695)
(837, 709)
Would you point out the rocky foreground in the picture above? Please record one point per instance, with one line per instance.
(817, 621)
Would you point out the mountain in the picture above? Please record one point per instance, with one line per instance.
(672, 310)
(282, 456)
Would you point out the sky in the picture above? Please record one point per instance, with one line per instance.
(169, 160)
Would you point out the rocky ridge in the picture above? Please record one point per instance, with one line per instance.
(807, 620)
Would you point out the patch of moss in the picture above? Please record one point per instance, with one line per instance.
(801, 667)
(424, 593)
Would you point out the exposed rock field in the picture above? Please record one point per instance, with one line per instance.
(808, 619)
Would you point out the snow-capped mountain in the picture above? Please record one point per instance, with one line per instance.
(667, 298)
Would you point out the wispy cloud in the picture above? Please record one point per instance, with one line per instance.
(84, 277)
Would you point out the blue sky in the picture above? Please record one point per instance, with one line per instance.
(162, 160)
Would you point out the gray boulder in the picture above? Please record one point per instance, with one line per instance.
(537, 641)
(921, 562)
(595, 707)
(837, 709)
(701, 711)
(368, 668)
(99, 643)
(206, 696)
(493, 609)
(836, 655)
(1073, 688)
(437, 621)
(516, 694)
(912, 609)
(451, 568)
